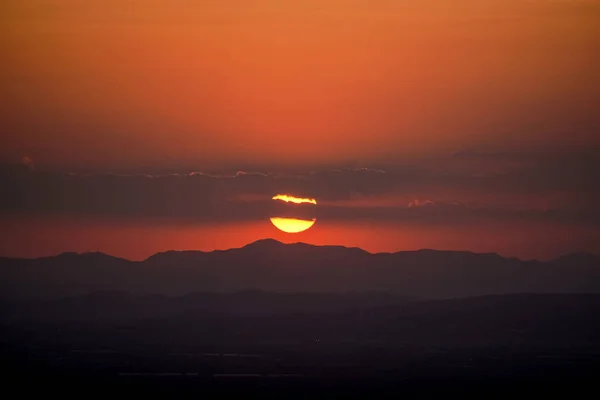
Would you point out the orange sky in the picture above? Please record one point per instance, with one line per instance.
(464, 124)
(112, 83)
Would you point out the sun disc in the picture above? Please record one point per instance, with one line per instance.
(292, 225)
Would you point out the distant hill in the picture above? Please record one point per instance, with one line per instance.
(531, 320)
(269, 265)
(120, 306)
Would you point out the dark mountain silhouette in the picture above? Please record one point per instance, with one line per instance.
(269, 265)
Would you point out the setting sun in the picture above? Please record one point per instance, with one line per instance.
(292, 225)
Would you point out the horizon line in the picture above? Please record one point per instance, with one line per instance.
(268, 239)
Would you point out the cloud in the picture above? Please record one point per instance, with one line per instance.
(543, 187)
(421, 203)
(28, 162)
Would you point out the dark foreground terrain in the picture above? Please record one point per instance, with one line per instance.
(302, 345)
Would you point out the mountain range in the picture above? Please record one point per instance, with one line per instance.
(269, 265)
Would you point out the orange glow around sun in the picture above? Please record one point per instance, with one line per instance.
(292, 225)
(298, 200)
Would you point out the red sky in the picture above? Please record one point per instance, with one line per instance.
(488, 106)
(141, 239)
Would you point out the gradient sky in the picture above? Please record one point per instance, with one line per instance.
(414, 117)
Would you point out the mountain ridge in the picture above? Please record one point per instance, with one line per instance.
(273, 266)
(264, 243)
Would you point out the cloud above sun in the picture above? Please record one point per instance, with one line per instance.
(463, 188)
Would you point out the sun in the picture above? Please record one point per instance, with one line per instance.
(293, 225)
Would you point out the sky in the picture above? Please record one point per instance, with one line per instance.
(141, 126)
